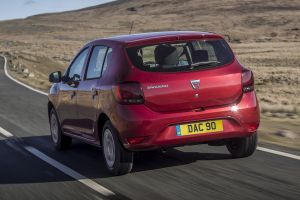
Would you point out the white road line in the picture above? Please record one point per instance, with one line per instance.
(5, 132)
(280, 153)
(258, 148)
(70, 172)
(23, 84)
(84, 180)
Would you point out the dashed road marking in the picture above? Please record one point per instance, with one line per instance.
(63, 168)
(70, 172)
(5, 133)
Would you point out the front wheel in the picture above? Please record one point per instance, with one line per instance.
(242, 147)
(117, 159)
(60, 141)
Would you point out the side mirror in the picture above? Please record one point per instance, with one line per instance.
(55, 77)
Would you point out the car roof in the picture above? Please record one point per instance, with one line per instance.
(144, 38)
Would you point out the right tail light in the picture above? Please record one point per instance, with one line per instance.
(247, 80)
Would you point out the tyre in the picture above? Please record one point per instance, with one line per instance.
(242, 147)
(59, 140)
(117, 159)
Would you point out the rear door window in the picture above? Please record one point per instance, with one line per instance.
(96, 62)
(108, 59)
(181, 56)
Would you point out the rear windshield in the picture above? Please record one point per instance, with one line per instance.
(183, 56)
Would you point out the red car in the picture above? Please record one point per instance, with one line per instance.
(154, 90)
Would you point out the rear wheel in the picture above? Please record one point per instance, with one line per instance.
(242, 147)
(117, 159)
(60, 141)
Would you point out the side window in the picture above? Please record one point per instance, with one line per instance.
(76, 67)
(107, 59)
(96, 62)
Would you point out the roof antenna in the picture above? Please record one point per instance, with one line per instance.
(131, 27)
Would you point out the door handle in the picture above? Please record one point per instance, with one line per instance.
(94, 92)
(73, 94)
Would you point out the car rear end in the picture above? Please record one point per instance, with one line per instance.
(183, 90)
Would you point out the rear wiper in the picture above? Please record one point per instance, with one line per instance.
(200, 64)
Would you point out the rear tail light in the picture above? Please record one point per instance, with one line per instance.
(247, 80)
(129, 93)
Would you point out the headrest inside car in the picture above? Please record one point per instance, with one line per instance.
(200, 56)
(166, 55)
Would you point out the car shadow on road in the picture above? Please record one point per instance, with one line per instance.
(172, 157)
(19, 166)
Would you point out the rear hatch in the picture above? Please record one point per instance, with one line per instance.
(187, 75)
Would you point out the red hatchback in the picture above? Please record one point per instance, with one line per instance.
(154, 90)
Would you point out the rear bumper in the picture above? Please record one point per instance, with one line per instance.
(158, 129)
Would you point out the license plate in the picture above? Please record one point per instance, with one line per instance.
(199, 127)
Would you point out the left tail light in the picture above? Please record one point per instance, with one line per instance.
(129, 93)
(247, 80)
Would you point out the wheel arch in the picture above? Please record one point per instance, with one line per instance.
(100, 124)
(50, 107)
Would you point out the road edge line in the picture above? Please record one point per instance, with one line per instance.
(19, 82)
(280, 153)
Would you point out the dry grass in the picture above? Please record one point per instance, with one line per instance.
(270, 126)
(277, 75)
(265, 36)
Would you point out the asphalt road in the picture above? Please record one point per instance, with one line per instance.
(191, 172)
